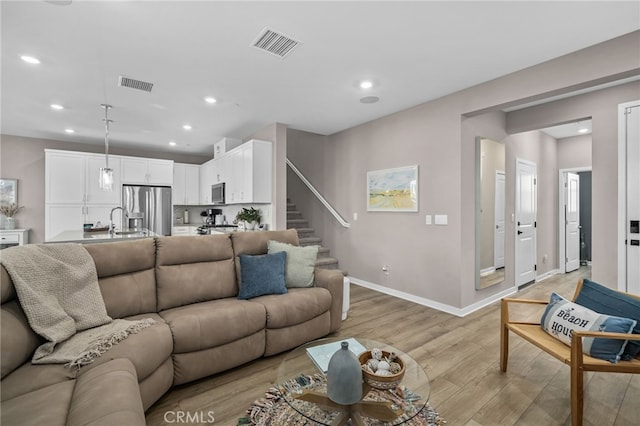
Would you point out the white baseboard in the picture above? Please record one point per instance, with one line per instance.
(459, 312)
(546, 275)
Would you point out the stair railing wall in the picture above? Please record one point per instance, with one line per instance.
(319, 196)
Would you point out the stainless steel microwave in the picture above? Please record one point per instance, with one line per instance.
(217, 193)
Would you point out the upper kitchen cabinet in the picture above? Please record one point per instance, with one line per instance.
(186, 184)
(206, 180)
(72, 178)
(250, 173)
(146, 171)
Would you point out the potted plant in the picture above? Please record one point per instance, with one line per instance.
(251, 217)
(9, 210)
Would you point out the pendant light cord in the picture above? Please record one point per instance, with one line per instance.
(106, 131)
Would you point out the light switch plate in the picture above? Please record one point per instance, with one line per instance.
(427, 219)
(441, 219)
(355, 216)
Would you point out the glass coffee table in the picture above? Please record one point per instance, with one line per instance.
(303, 387)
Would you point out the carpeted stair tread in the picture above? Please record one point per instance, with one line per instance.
(297, 223)
(308, 241)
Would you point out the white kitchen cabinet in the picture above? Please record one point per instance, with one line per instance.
(206, 180)
(69, 217)
(250, 177)
(146, 171)
(186, 184)
(72, 178)
(72, 193)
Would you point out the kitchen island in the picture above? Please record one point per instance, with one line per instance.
(100, 237)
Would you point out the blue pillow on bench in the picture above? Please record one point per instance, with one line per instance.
(562, 317)
(607, 301)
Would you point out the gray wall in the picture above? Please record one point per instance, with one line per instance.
(437, 263)
(23, 159)
(574, 152)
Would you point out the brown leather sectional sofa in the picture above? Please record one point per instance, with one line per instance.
(189, 285)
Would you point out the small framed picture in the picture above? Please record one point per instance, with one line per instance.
(9, 191)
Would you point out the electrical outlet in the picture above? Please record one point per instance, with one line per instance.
(385, 269)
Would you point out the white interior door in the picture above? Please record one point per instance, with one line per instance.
(632, 224)
(525, 222)
(572, 222)
(498, 240)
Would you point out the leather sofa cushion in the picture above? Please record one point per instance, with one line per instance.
(194, 269)
(126, 275)
(107, 395)
(147, 350)
(214, 323)
(295, 307)
(45, 406)
(7, 291)
(18, 339)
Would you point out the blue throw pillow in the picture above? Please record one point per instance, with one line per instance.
(562, 317)
(261, 275)
(607, 301)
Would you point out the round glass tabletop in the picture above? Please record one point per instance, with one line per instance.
(302, 382)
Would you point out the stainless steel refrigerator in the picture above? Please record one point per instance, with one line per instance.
(147, 207)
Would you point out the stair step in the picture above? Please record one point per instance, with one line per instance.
(305, 232)
(291, 206)
(297, 223)
(327, 262)
(309, 241)
(323, 252)
(294, 214)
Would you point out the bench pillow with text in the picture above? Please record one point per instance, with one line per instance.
(562, 317)
(607, 301)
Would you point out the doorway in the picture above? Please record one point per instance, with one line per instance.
(574, 219)
(525, 217)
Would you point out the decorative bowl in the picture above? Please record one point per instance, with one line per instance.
(381, 382)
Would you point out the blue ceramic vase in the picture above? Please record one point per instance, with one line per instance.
(344, 377)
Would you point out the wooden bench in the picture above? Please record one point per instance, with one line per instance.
(570, 355)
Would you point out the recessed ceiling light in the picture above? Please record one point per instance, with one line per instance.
(186, 126)
(366, 84)
(210, 100)
(69, 130)
(172, 143)
(56, 106)
(583, 130)
(369, 99)
(30, 59)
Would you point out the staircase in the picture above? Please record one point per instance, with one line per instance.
(307, 237)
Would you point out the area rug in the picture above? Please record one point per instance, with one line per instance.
(273, 410)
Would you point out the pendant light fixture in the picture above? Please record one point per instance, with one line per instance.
(106, 173)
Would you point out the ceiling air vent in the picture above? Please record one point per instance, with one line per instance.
(134, 84)
(275, 43)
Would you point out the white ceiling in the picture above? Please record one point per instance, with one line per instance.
(412, 51)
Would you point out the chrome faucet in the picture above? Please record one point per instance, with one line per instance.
(112, 226)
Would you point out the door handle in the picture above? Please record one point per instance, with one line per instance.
(520, 232)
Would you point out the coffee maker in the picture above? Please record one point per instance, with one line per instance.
(214, 217)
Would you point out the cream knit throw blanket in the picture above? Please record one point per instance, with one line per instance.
(57, 286)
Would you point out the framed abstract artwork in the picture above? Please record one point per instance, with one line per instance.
(8, 191)
(393, 190)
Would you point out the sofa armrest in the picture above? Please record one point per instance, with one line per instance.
(107, 395)
(332, 280)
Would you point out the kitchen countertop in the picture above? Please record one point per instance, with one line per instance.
(98, 237)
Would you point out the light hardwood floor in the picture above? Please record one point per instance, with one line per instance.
(460, 356)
